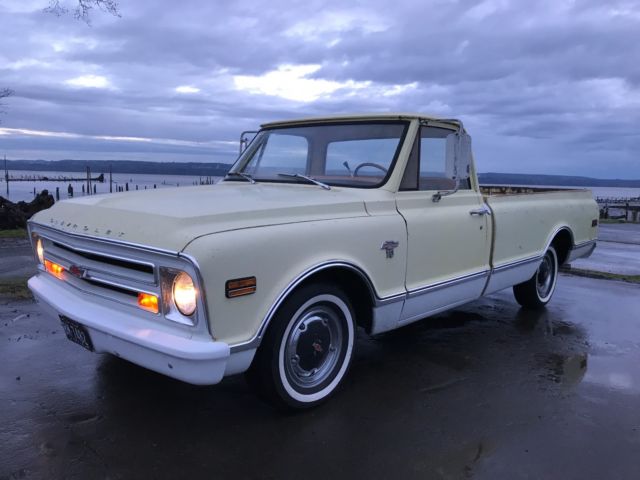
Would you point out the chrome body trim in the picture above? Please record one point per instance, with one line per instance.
(553, 236)
(112, 241)
(517, 263)
(385, 317)
(254, 342)
(203, 289)
(426, 301)
(581, 250)
(512, 273)
(447, 283)
(381, 302)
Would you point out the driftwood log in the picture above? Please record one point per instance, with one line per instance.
(15, 215)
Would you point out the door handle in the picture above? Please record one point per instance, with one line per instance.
(484, 210)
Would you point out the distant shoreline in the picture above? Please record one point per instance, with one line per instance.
(120, 166)
(216, 169)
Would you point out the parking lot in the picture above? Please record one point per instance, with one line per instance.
(486, 391)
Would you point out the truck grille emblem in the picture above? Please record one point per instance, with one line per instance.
(77, 271)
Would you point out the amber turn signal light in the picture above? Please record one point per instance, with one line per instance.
(148, 302)
(240, 286)
(54, 269)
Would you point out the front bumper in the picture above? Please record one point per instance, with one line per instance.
(177, 354)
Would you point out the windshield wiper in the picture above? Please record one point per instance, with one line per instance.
(307, 178)
(246, 176)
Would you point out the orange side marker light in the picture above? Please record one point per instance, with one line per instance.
(54, 269)
(148, 302)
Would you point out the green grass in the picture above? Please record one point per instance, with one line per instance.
(603, 275)
(13, 233)
(14, 288)
(614, 220)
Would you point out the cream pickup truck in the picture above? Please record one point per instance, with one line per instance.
(322, 226)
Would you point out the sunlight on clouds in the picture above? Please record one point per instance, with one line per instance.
(486, 9)
(89, 81)
(23, 132)
(73, 43)
(27, 63)
(187, 89)
(291, 82)
(398, 89)
(36, 133)
(334, 22)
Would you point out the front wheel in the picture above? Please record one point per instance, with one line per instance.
(536, 292)
(307, 350)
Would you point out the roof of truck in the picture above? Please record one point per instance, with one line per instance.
(359, 117)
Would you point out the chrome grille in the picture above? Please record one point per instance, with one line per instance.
(119, 271)
(102, 268)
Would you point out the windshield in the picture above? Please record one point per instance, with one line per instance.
(354, 155)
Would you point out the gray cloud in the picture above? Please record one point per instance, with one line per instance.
(544, 86)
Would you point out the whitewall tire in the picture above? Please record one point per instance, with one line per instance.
(308, 348)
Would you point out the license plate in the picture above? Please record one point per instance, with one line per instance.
(76, 333)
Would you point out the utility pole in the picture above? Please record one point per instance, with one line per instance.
(110, 179)
(6, 175)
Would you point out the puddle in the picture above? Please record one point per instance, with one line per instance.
(568, 370)
(614, 373)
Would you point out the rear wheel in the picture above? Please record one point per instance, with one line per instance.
(537, 291)
(307, 350)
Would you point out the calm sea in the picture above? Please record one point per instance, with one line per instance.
(25, 190)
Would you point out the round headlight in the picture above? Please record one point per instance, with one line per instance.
(184, 294)
(40, 250)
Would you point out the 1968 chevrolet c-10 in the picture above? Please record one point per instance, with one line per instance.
(322, 225)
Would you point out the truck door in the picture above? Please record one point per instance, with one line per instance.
(449, 235)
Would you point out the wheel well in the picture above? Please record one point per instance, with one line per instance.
(562, 242)
(354, 285)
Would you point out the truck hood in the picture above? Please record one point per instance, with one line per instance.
(171, 218)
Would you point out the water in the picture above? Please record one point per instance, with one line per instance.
(615, 192)
(24, 190)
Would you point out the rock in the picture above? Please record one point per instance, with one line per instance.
(15, 215)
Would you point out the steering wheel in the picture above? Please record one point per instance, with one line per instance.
(369, 164)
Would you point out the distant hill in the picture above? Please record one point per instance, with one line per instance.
(220, 169)
(121, 166)
(557, 180)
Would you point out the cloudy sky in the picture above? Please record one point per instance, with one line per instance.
(547, 86)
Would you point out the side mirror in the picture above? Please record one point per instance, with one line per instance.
(464, 156)
(458, 156)
(246, 138)
(457, 161)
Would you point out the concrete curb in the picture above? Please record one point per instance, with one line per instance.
(580, 272)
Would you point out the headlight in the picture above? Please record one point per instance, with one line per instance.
(40, 250)
(184, 294)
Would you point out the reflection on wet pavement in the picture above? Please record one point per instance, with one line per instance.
(486, 391)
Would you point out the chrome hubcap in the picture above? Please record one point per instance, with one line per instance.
(313, 347)
(545, 276)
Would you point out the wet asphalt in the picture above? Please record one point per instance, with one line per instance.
(486, 391)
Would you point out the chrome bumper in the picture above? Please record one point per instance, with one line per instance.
(145, 342)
